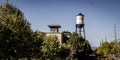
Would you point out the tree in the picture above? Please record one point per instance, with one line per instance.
(64, 51)
(37, 43)
(79, 46)
(105, 49)
(15, 33)
(4, 40)
(50, 47)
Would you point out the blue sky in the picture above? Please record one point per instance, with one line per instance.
(100, 16)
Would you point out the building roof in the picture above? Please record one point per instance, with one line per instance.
(54, 26)
(80, 14)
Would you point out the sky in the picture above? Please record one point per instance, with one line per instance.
(100, 16)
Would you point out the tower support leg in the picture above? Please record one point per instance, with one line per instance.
(76, 28)
(84, 32)
(79, 31)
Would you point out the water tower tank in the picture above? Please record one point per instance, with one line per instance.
(80, 19)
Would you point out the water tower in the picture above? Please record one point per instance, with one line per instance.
(80, 29)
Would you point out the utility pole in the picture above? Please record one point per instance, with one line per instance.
(115, 39)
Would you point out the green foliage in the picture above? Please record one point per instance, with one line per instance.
(15, 33)
(37, 43)
(104, 49)
(107, 48)
(4, 40)
(79, 46)
(64, 51)
(50, 47)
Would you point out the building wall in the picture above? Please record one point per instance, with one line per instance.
(59, 36)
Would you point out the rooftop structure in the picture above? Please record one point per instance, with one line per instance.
(54, 28)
